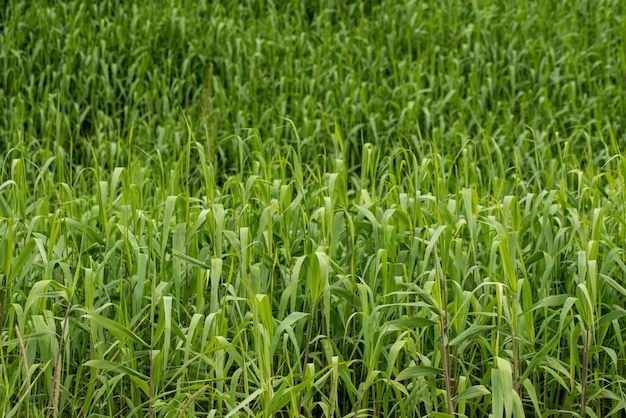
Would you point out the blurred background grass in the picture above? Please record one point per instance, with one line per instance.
(421, 74)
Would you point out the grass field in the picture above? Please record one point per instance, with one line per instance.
(392, 208)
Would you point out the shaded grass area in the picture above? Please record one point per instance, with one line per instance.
(404, 209)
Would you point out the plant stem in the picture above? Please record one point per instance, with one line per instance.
(306, 355)
(585, 371)
(446, 347)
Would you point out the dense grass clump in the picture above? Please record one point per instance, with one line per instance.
(321, 208)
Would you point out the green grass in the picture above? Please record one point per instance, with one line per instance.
(322, 208)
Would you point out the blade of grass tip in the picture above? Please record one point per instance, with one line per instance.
(334, 383)
(215, 276)
(140, 284)
(169, 210)
(191, 331)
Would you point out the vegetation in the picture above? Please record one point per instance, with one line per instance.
(318, 209)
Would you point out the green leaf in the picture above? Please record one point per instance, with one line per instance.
(409, 323)
(502, 388)
(416, 372)
(245, 402)
(548, 301)
(191, 260)
(286, 323)
(469, 333)
(119, 331)
(472, 392)
(613, 315)
(139, 379)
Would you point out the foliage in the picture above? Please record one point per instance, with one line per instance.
(323, 208)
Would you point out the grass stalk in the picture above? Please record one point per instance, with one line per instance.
(585, 371)
(56, 376)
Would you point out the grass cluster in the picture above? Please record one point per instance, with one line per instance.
(312, 208)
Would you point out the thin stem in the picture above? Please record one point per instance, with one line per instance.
(583, 396)
(446, 347)
(306, 355)
(56, 376)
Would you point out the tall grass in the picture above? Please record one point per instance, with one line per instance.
(324, 208)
